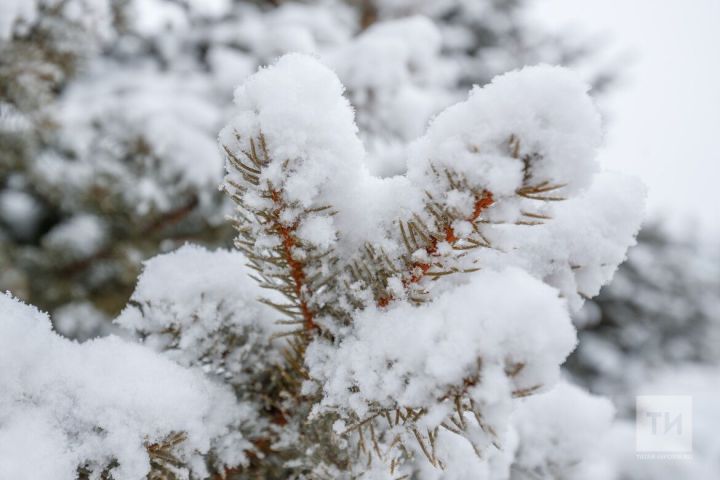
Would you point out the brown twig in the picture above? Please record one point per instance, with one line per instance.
(418, 270)
(296, 267)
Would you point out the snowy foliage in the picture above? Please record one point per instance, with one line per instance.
(104, 404)
(407, 258)
(206, 316)
(19, 16)
(124, 138)
(447, 347)
(552, 419)
(110, 109)
(478, 195)
(426, 315)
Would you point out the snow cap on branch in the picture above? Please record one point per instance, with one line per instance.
(558, 429)
(65, 405)
(496, 320)
(296, 135)
(211, 297)
(308, 127)
(532, 126)
(579, 250)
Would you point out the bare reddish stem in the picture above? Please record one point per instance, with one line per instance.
(297, 272)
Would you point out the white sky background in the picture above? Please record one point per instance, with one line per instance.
(665, 116)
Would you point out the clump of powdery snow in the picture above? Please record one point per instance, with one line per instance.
(282, 103)
(530, 128)
(414, 355)
(312, 161)
(463, 463)
(65, 405)
(557, 430)
(550, 436)
(200, 308)
(579, 249)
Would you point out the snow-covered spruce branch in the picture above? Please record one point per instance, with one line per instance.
(425, 316)
(106, 407)
(109, 112)
(359, 258)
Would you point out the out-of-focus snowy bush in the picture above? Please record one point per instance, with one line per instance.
(615, 458)
(661, 311)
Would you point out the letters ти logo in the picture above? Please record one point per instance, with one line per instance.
(663, 426)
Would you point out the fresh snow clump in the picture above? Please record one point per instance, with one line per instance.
(64, 405)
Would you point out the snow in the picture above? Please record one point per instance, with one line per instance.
(165, 121)
(282, 102)
(80, 236)
(13, 11)
(530, 139)
(548, 112)
(546, 109)
(475, 333)
(314, 160)
(20, 212)
(65, 404)
(542, 114)
(551, 435)
(321, 175)
(188, 301)
(16, 16)
(578, 251)
(558, 429)
(318, 231)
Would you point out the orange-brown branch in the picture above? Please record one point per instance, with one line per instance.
(297, 272)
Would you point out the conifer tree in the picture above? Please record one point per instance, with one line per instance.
(109, 109)
(363, 327)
